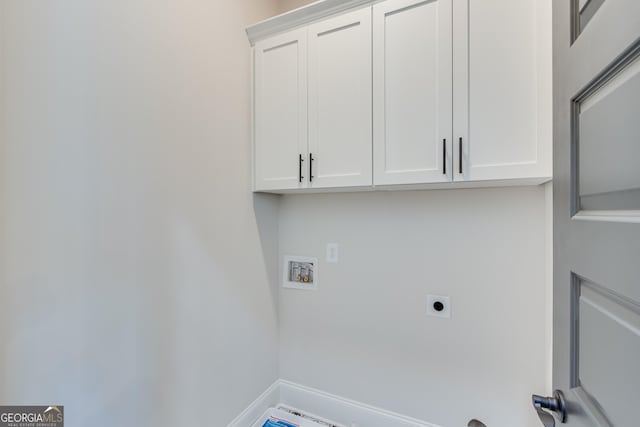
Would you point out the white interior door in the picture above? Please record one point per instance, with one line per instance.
(597, 212)
(340, 101)
(412, 100)
(502, 89)
(280, 134)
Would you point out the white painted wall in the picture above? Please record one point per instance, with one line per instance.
(364, 334)
(134, 282)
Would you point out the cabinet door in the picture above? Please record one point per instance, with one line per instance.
(412, 99)
(340, 100)
(280, 115)
(502, 89)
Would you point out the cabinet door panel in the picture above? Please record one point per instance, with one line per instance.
(340, 100)
(280, 110)
(412, 91)
(502, 89)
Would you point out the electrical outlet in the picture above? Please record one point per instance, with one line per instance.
(332, 252)
(439, 306)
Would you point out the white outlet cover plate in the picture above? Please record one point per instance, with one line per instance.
(332, 252)
(445, 300)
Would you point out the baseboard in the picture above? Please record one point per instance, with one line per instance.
(269, 399)
(327, 405)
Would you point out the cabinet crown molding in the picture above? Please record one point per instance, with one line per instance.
(301, 16)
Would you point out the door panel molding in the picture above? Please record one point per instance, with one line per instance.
(622, 70)
(606, 331)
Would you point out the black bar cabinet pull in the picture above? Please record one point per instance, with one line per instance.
(460, 155)
(300, 160)
(311, 167)
(444, 156)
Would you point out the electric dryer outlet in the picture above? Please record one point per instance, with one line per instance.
(439, 306)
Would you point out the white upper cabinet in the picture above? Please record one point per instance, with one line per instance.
(412, 91)
(340, 101)
(280, 111)
(502, 89)
(403, 94)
